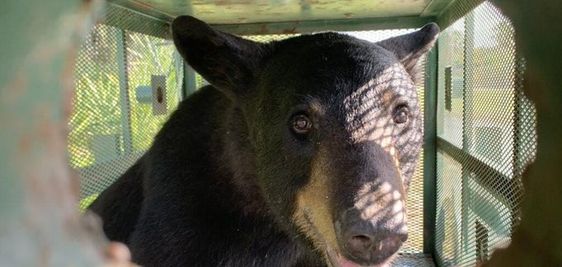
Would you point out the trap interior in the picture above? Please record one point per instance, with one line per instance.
(479, 126)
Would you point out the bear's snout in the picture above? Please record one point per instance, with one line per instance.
(369, 209)
(370, 241)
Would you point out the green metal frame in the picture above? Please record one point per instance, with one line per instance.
(131, 20)
(502, 187)
(455, 11)
(430, 152)
(147, 10)
(28, 145)
(430, 137)
(467, 121)
(441, 11)
(326, 25)
(435, 7)
(124, 92)
(189, 82)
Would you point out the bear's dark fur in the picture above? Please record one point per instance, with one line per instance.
(266, 167)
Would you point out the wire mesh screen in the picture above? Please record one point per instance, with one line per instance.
(415, 195)
(486, 137)
(126, 84)
(115, 119)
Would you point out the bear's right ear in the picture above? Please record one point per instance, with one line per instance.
(228, 62)
(409, 48)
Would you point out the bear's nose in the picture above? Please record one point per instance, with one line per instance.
(369, 241)
(373, 248)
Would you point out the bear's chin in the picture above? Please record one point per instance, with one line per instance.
(335, 259)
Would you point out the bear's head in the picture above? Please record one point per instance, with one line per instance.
(335, 126)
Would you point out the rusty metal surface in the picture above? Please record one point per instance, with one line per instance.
(256, 11)
(39, 221)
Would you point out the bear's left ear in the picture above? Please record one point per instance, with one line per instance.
(409, 48)
(228, 62)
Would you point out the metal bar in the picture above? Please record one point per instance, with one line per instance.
(146, 10)
(184, 90)
(501, 187)
(190, 84)
(131, 20)
(137, 9)
(467, 120)
(455, 11)
(436, 7)
(124, 92)
(430, 153)
(468, 107)
(359, 24)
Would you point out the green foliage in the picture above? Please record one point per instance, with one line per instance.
(96, 109)
(97, 122)
(149, 56)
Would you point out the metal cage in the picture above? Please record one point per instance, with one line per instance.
(484, 126)
(480, 128)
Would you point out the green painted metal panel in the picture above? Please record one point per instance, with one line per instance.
(308, 26)
(190, 82)
(429, 150)
(251, 11)
(285, 16)
(39, 222)
(135, 21)
(436, 7)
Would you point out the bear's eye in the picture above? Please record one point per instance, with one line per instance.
(301, 124)
(401, 114)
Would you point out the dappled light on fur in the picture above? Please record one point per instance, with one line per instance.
(375, 201)
(368, 123)
(369, 119)
(369, 116)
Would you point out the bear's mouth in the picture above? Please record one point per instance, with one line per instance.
(335, 259)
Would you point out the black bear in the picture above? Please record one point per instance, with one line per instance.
(300, 153)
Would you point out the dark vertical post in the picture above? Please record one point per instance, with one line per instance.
(189, 83)
(430, 152)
